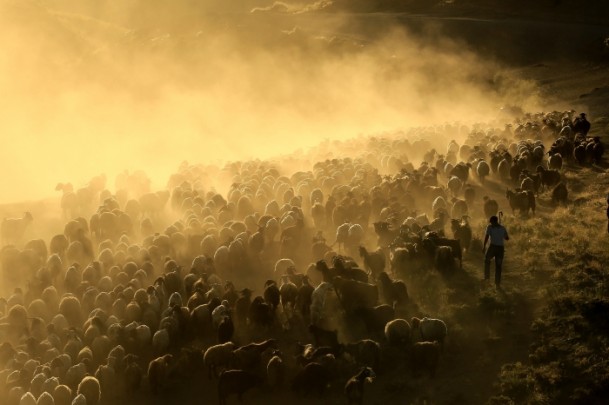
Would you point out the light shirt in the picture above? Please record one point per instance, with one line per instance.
(497, 234)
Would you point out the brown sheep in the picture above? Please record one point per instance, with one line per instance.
(158, 371)
(354, 389)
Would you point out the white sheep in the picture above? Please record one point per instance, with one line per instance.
(438, 203)
(14, 395)
(356, 235)
(45, 399)
(454, 185)
(422, 220)
(107, 379)
(12, 229)
(36, 384)
(161, 341)
(175, 299)
(431, 330)
(342, 235)
(62, 395)
(143, 335)
(282, 265)
(398, 332)
(218, 357)
(31, 365)
(89, 387)
(70, 308)
(75, 375)
(50, 384)
(80, 399)
(27, 399)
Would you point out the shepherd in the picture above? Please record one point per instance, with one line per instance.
(498, 235)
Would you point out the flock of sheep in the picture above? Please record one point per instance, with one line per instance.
(143, 290)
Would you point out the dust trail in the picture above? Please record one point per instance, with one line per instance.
(90, 89)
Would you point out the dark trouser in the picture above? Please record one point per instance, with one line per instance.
(496, 252)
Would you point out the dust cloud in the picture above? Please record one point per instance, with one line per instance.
(94, 87)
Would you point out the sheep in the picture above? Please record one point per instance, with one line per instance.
(598, 150)
(90, 389)
(454, 185)
(491, 207)
(342, 236)
(161, 341)
(394, 292)
(354, 388)
(304, 297)
(521, 200)
(425, 356)
(374, 262)
(248, 357)
(275, 370)
(462, 232)
(45, 399)
(70, 308)
(271, 293)
(220, 312)
(318, 301)
(288, 292)
(132, 374)
(158, 372)
(398, 332)
(459, 209)
(579, 154)
(555, 161)
(355, 294)
(13, 229)
(560, 194)
(527, 184)
(80, 399)
(226, 329)
(365, 352)
(14, 395)
(431, 330)
(432, 242)
(107, 378)
(482, 170)
(75, 375)
(28, 399)
(549, 178)
(438, 203)
(314, 377)
(50, 384)
(236, 382)
(62, 395)
(260, 313)
(282, 265)
(443, 258)
(217, 357)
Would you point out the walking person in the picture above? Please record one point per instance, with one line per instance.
(498, 235)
